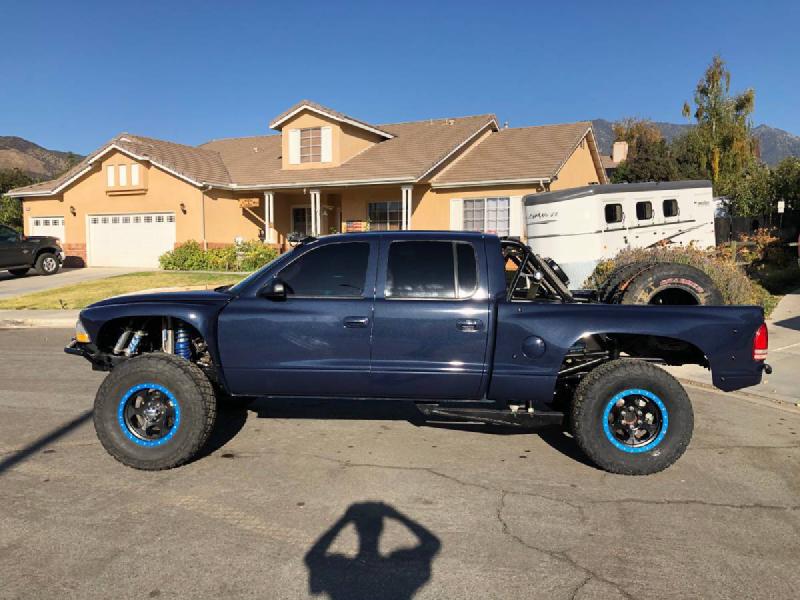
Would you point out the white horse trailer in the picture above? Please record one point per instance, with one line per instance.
(579, 227)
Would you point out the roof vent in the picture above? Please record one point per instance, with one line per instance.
(125, 139)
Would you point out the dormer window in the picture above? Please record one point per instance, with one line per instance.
(311, 145)
(124, 177)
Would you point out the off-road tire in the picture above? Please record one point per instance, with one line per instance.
(193, 392)
(650, 284)
(19, 272)
(47, 264)
(598, 389)
(619, 278)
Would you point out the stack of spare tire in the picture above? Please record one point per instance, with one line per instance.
(662, 283)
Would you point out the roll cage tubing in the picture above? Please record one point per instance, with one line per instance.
(530, 263)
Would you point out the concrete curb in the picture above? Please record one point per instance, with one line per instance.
(53, 319)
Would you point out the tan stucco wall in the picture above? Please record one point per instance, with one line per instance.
(224, 219)
(433, 210)
(579, 169)
(347, 140)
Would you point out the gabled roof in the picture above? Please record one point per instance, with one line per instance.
(278, 121)
(518, 155)
(415, 149)
(195, 165)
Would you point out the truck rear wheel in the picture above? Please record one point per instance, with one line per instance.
(155, 411)
(47, 264)
(631, 417)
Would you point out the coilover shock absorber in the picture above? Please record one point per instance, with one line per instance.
(182, 342)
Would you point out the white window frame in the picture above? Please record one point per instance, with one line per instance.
(135, 174)
(111, 176)
(122, 173)
(485, 201)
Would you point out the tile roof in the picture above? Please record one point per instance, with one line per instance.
(411, 155)
(516, 154)
(339, 116)
(197, 164)
(415, 148)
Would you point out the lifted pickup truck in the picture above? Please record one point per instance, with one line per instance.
(467, 325)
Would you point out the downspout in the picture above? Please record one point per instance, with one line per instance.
(203, 191)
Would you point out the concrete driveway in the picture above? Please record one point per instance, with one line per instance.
(355, 500)
(16, 286)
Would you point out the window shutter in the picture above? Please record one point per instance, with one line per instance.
(294, 146)
(515, 219)
(134, 174)
(456, 214)
(326, 138)
(123, 175)
(110, 175)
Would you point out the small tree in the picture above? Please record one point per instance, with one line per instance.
(786, 182)
(649, 156)
(724, 140)
(11, 208)
(750, 193)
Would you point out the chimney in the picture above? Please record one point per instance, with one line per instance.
(619, 151)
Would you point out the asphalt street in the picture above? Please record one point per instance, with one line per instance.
(355, 500)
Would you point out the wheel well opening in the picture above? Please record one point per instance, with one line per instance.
(674, 296)
(151, 326)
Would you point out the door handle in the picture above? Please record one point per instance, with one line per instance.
(470, 325)
(356, 321)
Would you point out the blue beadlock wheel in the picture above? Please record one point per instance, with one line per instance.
(149, 414)
(635, 420)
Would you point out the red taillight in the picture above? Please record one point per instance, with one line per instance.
(760, 343)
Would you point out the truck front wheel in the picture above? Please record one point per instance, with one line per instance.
(631, 417)
(155, 411)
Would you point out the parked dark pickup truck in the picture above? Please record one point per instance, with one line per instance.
(467, 325)
(20, 253)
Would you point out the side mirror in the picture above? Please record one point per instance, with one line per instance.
(274, 290)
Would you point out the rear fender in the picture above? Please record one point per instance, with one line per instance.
(724, 334)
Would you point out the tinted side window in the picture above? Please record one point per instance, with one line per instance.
(335, 270)
(644, 211)
(613, 213)
(444, 270)
(467, 270)
(7, 234)
(671, 208)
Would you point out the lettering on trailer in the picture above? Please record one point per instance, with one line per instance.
(541, 217)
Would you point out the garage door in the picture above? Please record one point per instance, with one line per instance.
(129, 240)
(52, 226)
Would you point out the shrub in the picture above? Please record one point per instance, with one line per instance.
(734, 284)
(190, 256)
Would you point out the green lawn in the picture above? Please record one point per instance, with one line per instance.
(80, 295)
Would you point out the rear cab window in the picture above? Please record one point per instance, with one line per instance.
(431, 270)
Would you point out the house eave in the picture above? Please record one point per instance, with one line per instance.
(541, 181)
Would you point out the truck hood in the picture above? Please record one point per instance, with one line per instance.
(41, 239)
(195, 297)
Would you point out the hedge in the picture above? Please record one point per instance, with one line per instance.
(190, 256)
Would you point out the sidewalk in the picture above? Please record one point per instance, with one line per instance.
(784, 356)
(56, 319)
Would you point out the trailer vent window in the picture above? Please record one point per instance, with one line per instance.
(671, 208)
(644, 211)
(613, 213)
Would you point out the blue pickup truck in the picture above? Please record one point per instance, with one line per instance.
(467, 325)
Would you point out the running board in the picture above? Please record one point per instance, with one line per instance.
(521, 418)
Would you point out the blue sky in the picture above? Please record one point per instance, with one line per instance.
(76, 73)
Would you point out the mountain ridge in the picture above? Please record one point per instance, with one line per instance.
(775, 144)
(32, 159)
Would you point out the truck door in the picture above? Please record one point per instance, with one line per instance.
(431, 320)
(316, 340)
(11, 248)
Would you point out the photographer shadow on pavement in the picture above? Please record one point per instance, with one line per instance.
(397, 575)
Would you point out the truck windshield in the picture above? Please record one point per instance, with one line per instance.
(235, 289)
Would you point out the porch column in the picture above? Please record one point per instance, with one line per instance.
(407, 205)
(270, 233)
(316, 213)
